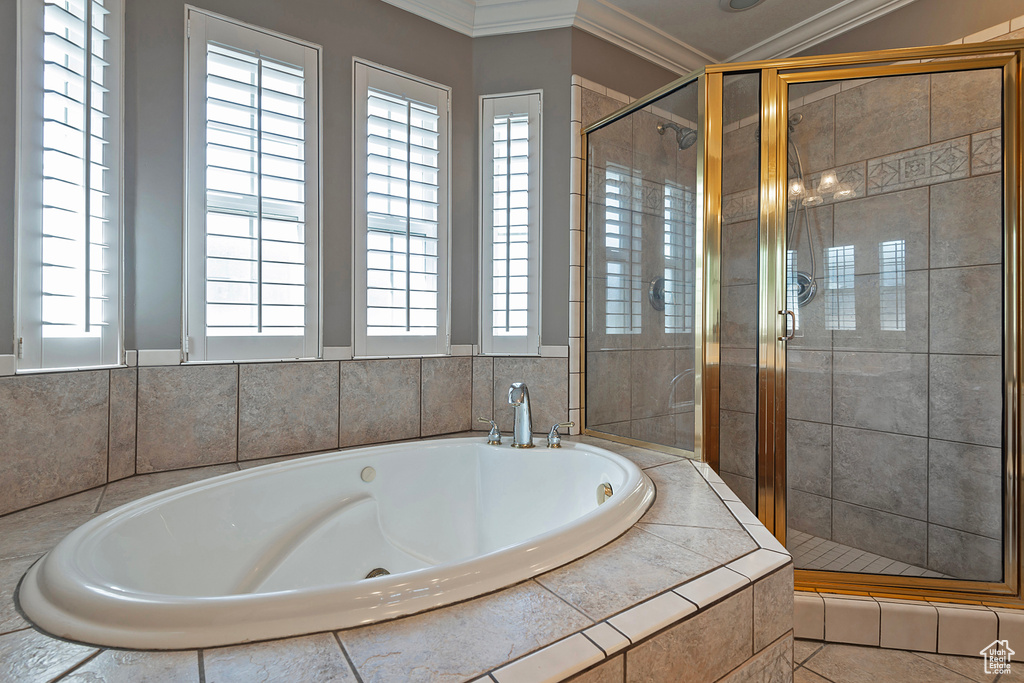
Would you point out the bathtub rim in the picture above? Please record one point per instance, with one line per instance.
(55, 578)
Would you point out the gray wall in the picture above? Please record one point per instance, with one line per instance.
(614, 67)
(924, 22)
(154, 141)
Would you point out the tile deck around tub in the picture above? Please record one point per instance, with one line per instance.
(666, 570)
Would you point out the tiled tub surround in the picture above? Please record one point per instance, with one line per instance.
(668, 600)
(67, 432)
(204, 565)
(651, 357)
(893, 404)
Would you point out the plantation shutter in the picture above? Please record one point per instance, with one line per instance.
(254, 213)
(511, 224)
(69, 228)
(402, 229)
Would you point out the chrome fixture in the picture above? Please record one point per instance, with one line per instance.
(493, 436)
(554, 438)
(522, 427)
(604, 492)
(379, 571)
(802, 197)
(685, 137)
(656, 293)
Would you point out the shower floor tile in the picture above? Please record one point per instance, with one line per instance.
(813, 552)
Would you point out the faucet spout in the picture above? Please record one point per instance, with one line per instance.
(522, 427)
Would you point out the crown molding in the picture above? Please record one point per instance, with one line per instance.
(494, 17)
(839, 19)
(458, 15)
(621, 28)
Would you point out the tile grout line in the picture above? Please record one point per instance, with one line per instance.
(135, 437)
(348, 658)
(79, 665)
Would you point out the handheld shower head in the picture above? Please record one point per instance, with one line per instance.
(685, 137)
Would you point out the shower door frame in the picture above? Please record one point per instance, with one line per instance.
(776, 76)
(1008, 57)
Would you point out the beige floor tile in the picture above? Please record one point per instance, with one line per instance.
(802, 675)
(126, 666)
(308, 659)
(29, 656)
(11, 572)
(971, 667)
(802, 649)
(852, 664)
(36, 530)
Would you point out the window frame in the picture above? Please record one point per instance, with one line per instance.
(30, 350)
(530, 102)
(196, 345)
(364, 75)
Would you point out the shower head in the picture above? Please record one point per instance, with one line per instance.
(794, 120)
(685, 137)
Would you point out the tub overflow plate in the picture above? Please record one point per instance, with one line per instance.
(368, 474)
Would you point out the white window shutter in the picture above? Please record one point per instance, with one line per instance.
(511, 223)
(69, 223)
(253, 194)
(400, 277)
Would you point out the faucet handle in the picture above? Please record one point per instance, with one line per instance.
(494, 436)
(554, 438)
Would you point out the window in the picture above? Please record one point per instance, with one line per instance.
(69, 188)
(622, 251)
(840, 294)
(510, 219)
(892, 286)
(253, 201)
(401, 214)
(680, 258)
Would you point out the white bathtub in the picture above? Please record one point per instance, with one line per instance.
(283, 549)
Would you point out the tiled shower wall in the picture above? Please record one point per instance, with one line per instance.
(70, 431)
(654, 368)
(893, 435)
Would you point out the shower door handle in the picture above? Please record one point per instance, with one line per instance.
(789, 335)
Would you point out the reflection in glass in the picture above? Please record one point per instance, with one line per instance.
(792, 288)
(840, 301)
(680, 224)
(892, 285)
(622, 249)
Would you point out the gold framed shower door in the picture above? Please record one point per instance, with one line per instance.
(776, 78)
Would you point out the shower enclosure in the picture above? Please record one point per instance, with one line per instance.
(806, 273)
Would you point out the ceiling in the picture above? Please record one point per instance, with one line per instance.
(680, 35)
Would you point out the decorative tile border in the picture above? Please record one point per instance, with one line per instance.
(937, 163)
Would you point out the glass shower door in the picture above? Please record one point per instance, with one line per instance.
(894, 299)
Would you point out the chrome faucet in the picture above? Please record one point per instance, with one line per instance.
(522, 427)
